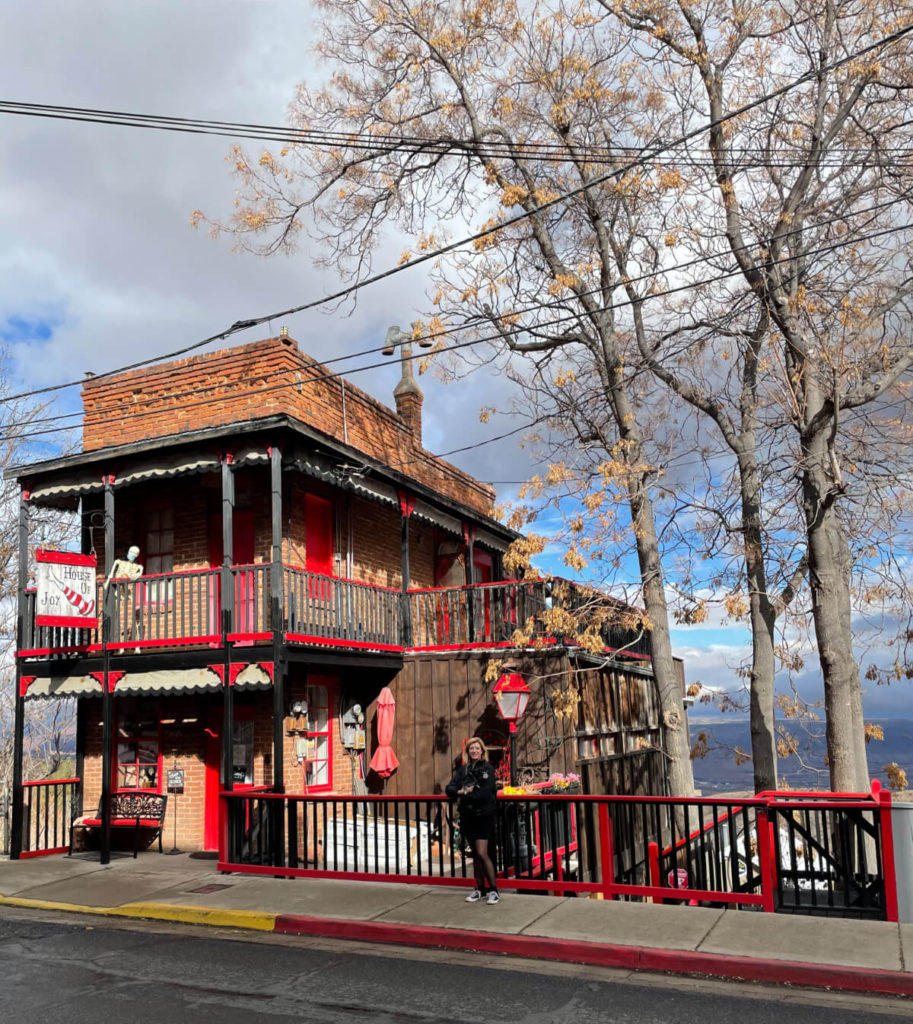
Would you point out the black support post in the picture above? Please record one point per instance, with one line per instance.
(19, 723)
(226, 605)
(107, 730)
(277, 618)
(406, 504)
(277, 621)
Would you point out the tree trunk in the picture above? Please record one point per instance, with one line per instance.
(763, 619)
(675, 732)
(829, 563)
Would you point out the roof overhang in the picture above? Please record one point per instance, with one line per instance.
(62, 482)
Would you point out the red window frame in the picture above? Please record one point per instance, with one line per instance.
(328, 684)
(136, 739)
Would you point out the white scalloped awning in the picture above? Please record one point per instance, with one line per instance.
(82, 481)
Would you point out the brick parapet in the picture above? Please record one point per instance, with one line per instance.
(266, 378)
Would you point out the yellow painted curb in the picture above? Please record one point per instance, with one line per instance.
(252, 919)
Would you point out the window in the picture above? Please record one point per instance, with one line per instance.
(242, 769)
(137, 752)
(318, 772)
(159, 549)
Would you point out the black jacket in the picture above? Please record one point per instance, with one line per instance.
(482, 798)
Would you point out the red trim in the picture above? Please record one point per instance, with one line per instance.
(602, 954)
(306, 638)
(219, 671)
(269, 668)
(35, 652)
(50, 782)
(66, 620)
(212, 638)
(64, 557)
(247, 637)
(26, 494)
(234, 671)
(28, 854)
(113, 679)
(766, 861)
(883, 796)
(406, 503)
(24, 683)
(229, 457)
(606, 850)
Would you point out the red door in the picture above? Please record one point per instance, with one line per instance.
(242, 554)
(318, 546)
(242, 767)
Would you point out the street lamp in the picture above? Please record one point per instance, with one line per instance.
(512, 695)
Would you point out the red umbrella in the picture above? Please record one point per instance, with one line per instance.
(384, 761)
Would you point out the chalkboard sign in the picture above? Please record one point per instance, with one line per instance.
(175, 780)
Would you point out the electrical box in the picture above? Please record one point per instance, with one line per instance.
(353, 725)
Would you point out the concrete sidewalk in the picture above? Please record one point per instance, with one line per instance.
(861, 956)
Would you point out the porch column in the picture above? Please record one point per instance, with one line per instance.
(277, 619)
(19, 724)
(226, 592)
(107, 728)
(406, 505)
(469, 540)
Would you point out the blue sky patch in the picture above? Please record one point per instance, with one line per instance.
(17, 330)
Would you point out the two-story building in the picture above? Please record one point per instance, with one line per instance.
(300, 553)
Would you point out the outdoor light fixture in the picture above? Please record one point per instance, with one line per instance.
(512, 695)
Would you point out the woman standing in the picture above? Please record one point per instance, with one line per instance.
(473, 788)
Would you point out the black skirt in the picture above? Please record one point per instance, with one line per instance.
(476, 826)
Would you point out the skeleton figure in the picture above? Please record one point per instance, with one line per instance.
(126, 568)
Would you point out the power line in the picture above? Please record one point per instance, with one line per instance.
(387, 144)
(686, 286)
(646, 154)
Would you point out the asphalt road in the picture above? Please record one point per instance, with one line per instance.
(59, 968)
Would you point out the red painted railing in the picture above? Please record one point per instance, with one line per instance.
(740, 853)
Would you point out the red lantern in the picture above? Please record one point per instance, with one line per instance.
(512, 695)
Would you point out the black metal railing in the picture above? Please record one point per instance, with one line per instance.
(48, 809)
(574, 844)
(336, 609)
(184, 607)
(483, 613)
(828, 857)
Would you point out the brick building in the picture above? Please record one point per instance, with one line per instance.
(300, 552)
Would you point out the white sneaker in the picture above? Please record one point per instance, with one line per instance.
(492, 898)
(474, 897)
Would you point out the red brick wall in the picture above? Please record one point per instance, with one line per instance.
(186, 739)
(252, 381)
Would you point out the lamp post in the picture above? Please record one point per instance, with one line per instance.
(512, 695)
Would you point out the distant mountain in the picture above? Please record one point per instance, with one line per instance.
(718, 772)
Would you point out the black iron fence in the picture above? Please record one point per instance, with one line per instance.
(805, 856)
(48, 809)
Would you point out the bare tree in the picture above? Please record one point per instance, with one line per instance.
(529, 102)
(48, 726)
(808, 193)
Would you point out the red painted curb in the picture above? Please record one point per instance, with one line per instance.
(848, 979)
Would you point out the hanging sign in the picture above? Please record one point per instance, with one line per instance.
(67, 589)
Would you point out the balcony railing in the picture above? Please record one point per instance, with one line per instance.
(184, 608)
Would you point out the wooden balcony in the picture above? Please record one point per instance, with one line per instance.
(183, 609)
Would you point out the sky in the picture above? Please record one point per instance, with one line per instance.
(99, 265)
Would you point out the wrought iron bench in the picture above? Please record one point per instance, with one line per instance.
(141, 810)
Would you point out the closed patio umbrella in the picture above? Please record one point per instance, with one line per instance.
(384, 761)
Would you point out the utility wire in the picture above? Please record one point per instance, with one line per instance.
(389, 144)
(647, 153)
(687, 286)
